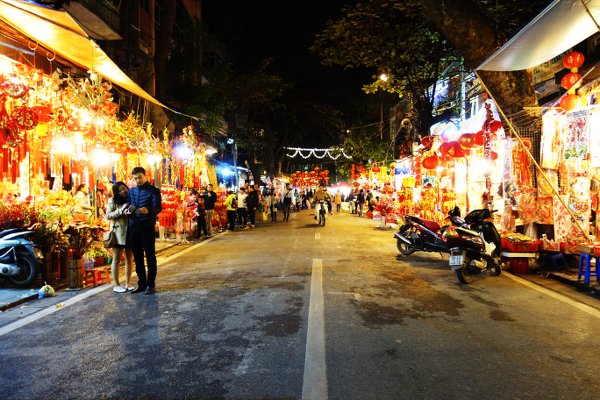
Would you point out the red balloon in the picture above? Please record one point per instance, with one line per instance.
(430, 162)
(466, 140)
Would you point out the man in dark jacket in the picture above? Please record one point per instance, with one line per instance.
(252, 203)
(210, 198)
(147, 203)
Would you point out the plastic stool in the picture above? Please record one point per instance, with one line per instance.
(585, 267)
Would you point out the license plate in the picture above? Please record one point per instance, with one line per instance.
(456, 261)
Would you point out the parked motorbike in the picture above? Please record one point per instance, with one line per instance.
(20, 259)
(419, 234)
(476, 248)
(321, 212)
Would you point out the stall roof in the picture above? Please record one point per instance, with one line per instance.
(59, 32)
(562, 25)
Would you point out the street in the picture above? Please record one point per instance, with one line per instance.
(292, 310)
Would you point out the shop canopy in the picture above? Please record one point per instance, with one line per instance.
(562, 25)
(60, 33)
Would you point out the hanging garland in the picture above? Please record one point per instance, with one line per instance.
(318, 153)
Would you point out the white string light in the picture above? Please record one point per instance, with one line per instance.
(318, 153)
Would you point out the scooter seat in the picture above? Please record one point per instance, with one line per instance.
(434, 226)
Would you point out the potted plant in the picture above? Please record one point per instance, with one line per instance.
(80, 236)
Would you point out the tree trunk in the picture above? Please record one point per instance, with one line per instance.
(473, 35)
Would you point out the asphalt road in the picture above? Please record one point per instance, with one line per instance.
(292, 310)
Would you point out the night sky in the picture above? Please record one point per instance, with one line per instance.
(253, 31)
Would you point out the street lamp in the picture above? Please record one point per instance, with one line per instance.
(382, 78)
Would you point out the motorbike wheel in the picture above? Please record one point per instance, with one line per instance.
(28, 273)
(495, 269)
(464, 275)
(322, 220)
(404, 248)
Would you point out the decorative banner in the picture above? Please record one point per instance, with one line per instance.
(318, 153)
(551, 145)
(577, 135)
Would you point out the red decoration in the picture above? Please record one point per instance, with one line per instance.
(569, 80)
(25, 118)
(478, 139)
(493, 155)
(427, 141)
(430, 162)
(495, 125)
(445, 147)
(44, 113)
(569, 102)
(375, 169)
(466, 140)
(573, 60)
(455, 150)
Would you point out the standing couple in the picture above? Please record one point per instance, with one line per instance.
(132, 214)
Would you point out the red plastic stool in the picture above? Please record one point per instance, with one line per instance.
(585, 267)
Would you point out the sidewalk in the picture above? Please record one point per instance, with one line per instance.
(12, 297)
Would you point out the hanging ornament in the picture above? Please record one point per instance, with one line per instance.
(573, 60)
(570, 80)
(466, 140)
(495, 126)
(445, 148)
(427, 141)
(14, 89)
(430, 162)
(375, 169)
(478, 139)
(25, 118)
(455, 150)
(569, 102)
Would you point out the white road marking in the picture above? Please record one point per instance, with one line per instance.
(580, 306)
(75, 299)
(317, 236)
(315, 369)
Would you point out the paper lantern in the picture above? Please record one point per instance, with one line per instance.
(478, 139)
(493, 155)
(495, 125)
(466, 140)
(455, 150)
(430, 162)
(445, 147)
(573, 61)
(375, 169)
(569, 80)
(569, 102)
(427, 141)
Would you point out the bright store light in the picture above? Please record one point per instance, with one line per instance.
(210, 151)
(100, 157)
(62, 145)
(154, 158)
(183, 152)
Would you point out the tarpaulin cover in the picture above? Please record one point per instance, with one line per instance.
(60, 33)
(562, 25)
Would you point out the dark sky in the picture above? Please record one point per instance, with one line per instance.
(253, 31)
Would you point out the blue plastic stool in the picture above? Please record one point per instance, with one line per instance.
(585, 267)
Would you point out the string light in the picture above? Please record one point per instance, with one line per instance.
(318, 153)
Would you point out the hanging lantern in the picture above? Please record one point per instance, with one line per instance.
(569, 102)
(573, 61)
(375, 169)
(466, 140)
(430, 162)
(493, 155)
(478, 139)
(455, 150)
(445, 147)
(317, 169)
(427, 141)
(569, 80)
(495, 125)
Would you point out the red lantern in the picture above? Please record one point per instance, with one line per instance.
(495, 125)
(569, 102)
(430, 162)
(478, 139)
(316, 169)
(569, 80)
(493, 155)
(375, 169)
(573, 60)
(427, 141)
(466, 140)
(455, 150)
(445, 147)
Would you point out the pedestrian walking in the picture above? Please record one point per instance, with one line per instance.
(274, 204)
(288, 197)
(82, 205)
(210, 199)
(252, 202)
(201, 219)
(242, 207)
(147, 202)
(231, 208)
(350, 199)
(337, 199)
(116, 213)
(360, 201)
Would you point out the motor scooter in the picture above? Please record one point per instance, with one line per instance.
(417, 234)
(20, 259)
(476, 248)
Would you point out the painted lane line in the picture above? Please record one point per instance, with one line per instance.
(314, 386)
(580, 306)
(77, 298)
(318, 236)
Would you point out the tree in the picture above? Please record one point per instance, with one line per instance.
(391, 37)
(476, 36)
